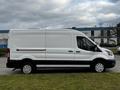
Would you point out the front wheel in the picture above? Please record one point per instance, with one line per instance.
(28, 68)
(98, 67)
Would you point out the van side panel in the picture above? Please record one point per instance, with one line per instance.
(59, 45)
(27, 44)
(50, 48)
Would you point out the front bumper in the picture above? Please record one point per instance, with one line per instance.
(110, 63)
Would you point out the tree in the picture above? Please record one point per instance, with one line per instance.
(118, 25)
(118, 34)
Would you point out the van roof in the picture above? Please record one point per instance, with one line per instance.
(35, 30)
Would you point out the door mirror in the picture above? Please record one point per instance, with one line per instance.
(97, 43)
(96, 49)
(93, 48)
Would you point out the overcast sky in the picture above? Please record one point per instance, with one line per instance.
(58, 13)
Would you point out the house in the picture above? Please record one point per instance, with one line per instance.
(101, 35)
(3, 38)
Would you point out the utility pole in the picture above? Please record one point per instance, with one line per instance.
(118, 34)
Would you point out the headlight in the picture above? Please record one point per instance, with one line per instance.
(110, 53)
(118, 49)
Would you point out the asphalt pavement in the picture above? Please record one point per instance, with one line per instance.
(9, 71)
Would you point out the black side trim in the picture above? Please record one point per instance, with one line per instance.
(62, 62)
(18, 63)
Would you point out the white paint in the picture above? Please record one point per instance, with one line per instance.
(59, 44)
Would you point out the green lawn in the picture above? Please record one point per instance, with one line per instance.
(61, 81)
(114, 50)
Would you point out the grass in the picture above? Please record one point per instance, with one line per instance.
(61, 81)
(114, 50)
(2, 52)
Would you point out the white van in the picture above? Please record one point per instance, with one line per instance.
(32, 48)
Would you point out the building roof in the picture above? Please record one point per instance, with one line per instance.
(93, 28)
(79, 29)
(4, 31)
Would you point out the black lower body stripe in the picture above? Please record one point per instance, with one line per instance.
(62, 62)
(19, 63)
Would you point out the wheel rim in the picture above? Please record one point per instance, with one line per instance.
(27, 69)
(99, 67)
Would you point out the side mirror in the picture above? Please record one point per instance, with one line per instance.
(97, 49)
(94, 48)
(97, 43)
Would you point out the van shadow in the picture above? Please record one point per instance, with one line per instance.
(62, 70)
(59, 70)
(56, 70)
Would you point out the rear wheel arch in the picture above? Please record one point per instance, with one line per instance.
(27, 60)
(30, 63)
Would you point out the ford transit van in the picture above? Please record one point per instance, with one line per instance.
(32, 48)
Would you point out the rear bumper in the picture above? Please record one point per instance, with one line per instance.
(14, 64)
(110, 63)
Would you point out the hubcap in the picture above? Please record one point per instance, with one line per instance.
(27, 69)
(99, 67)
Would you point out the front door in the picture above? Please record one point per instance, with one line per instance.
(85, 49)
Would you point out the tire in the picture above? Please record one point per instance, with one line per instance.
(28, 68)
(98, 67)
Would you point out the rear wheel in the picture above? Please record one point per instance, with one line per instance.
(28, 68)
(98, 67)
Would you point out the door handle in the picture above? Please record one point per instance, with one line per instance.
(70, 51)
(77, 51)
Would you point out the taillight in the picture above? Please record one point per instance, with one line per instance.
(8, 53)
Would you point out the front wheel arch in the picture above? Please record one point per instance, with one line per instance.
(98, 60)
(95, 62)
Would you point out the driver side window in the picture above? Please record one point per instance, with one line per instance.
(85, 44)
